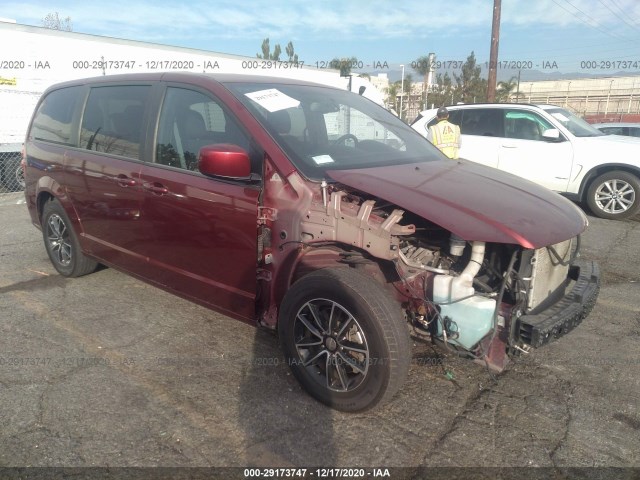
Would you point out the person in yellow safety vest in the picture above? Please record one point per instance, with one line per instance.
(445, 135)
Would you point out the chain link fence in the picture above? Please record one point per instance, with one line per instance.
(17, 108)
(11, 173)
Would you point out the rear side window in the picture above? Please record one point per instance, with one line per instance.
(54, 118)
(113, 120)
(634, 132)
(455, 117)
(613, 130)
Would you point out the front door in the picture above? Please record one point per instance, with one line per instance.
(202, 231)
(524, 151)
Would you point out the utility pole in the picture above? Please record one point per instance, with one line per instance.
(493, 55)
(401, 91)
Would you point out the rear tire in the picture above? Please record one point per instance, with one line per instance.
(61, 242)
(614, 195)
(344, 339)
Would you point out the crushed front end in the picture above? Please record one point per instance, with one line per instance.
(488, 301)
(483, 300)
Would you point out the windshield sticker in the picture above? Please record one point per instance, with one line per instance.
(273, 99)
(322, 159)
(560, 117)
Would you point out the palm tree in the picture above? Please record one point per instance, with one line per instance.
(392, 94)
(505, 89)
(422, 68)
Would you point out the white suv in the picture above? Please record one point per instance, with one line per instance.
(552, 147)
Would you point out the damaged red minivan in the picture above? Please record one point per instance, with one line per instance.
(308, 210)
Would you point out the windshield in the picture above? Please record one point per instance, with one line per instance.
(574, 124)
(324, 129)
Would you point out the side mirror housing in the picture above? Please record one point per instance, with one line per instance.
(552, 134)
(224, 160)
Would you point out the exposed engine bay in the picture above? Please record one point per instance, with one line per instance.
(466, 294)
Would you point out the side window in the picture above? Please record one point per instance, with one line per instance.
(524, 125)
(485, 122)
(455, 117)
(359, 128)
(613, 130)
(54, 118)
(189, 120)
(634, 131)
(113, 120)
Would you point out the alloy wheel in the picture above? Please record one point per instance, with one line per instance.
(331, 345)
(58, 240)
(615, 196)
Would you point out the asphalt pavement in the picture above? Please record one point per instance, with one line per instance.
(105, 370)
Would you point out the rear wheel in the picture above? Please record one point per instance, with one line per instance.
(344, 339)
(614, 195)
(62, 243)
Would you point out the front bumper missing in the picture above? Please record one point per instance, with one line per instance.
(563, 316)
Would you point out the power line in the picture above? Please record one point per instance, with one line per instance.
(596, 26)
(614, 2)
(618, 16)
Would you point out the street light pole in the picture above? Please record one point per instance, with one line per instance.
(401, 91)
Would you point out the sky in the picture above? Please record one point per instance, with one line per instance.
(586, 36)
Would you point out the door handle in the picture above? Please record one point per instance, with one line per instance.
(509, 146)
(156, 188)
(124, 181)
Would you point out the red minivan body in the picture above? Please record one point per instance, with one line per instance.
(309, 210)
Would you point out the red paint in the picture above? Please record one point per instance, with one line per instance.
(473, 201)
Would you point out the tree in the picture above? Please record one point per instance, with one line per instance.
(392, 95)
(293, 57)
(472, 88)
(408, 81)
(266, 50)
(505, 89)
(54, 22)
(444, 92)
(422, 67)
(345, 65)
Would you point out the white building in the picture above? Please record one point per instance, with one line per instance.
(590, 97)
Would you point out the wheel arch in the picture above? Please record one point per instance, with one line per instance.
(595, 172)
(311, 258)
(48, 188)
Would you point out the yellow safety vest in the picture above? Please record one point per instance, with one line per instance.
(446, 136)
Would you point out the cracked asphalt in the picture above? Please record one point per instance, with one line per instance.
(105, 370)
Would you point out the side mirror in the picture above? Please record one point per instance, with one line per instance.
(224, 160)
(552, 134)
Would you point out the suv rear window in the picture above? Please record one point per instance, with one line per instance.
(52, 122)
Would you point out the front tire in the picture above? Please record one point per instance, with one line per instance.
(62, 243)
(614, 195)
(344, 339)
